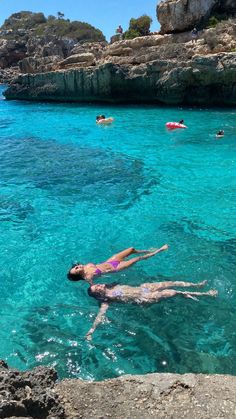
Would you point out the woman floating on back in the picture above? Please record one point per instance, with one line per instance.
(148, 293)
(115, 263)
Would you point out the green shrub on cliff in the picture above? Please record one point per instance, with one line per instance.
(131, 34)
(138, 27)
(213, 21)
(80, 31)
(22, 22)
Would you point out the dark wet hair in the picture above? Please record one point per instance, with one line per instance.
(77, 276)
(181, 121)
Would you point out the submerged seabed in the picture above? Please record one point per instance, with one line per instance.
(71, 190)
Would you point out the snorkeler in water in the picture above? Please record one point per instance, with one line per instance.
(114, 264)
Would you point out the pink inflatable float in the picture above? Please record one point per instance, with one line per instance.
(174, 125)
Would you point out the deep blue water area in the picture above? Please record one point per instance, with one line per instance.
(75, 191)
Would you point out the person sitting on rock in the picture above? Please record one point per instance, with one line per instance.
(148, 293)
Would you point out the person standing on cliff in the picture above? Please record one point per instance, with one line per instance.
(194, 34)
(119, 31)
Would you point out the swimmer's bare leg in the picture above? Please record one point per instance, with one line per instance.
(193, 295)
(125, 253)
(157, 296)
(171, 284)
(131, 250)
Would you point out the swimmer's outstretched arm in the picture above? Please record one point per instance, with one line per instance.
(99, 319)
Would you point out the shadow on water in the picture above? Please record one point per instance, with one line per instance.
(89, 174)
(11, 210)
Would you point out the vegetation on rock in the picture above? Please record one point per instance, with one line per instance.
(25, 22)
(138, 27)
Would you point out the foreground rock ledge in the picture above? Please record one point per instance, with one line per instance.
(37, 394)
(151, 396)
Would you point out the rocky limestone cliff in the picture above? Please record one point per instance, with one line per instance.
(166, 69)
(38, 394)
(182, 15)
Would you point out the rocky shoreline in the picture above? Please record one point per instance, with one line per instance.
(163, 69)
(201, 80)
(168, 67)
(39, 394)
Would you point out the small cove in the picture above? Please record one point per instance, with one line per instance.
(72, 190)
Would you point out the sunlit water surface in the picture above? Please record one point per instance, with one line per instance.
(74, 191)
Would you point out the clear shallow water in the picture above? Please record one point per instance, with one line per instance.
(71, 190)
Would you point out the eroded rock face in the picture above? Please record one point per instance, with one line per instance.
(166, 69)
(202, 80)
(29, 393)
(11, 52)
(78, 59)
(180, 15)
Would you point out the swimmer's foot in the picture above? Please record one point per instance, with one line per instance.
(192, 295)
(202, 284)
(213, 293)
(154, 250)
(165, 247)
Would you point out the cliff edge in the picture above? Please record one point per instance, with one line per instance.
(38, 394)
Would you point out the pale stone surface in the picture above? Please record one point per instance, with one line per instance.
(179, 15)
(169, 396)
(85, 58)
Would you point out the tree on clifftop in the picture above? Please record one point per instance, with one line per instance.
(138, 27)
(60, 15)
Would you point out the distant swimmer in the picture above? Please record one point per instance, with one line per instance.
(220, 134)
(181, 121)
(101, 119)
(115, 263)
(148, 293)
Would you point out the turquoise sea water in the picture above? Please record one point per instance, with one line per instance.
(75, 191)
